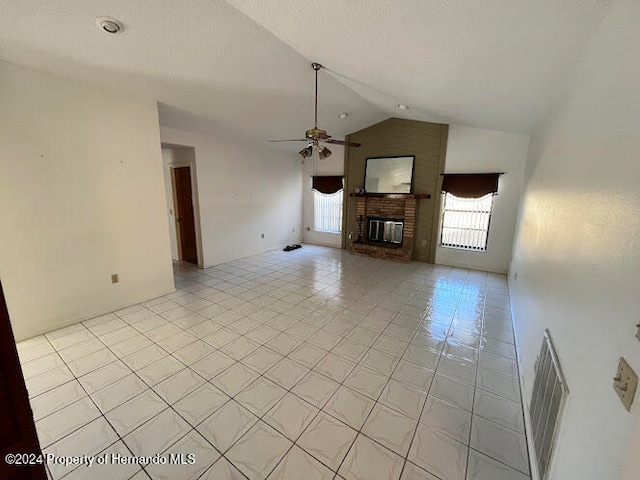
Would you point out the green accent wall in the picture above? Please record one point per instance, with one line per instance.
(399, 137)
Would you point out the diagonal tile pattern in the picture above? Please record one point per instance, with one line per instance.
(306, 364)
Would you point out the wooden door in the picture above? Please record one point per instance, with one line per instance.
(17, 430)
(185, 220)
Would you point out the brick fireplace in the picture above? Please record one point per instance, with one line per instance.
(396, 208)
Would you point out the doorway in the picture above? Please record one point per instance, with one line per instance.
(185, 215)
(182, 203)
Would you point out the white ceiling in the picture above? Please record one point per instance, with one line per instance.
(491, 63)
(494, 64)
(206, 63)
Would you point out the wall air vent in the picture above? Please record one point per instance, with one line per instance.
(547, 402)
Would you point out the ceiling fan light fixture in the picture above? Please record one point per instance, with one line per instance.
(323, 152)
(315, 134)
(306, 152)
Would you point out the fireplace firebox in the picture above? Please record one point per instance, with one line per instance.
(385, 230)
(395, 208)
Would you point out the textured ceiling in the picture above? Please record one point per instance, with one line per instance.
(206, 63)
(494, 64)
(489, 63)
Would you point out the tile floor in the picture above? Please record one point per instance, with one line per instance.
(310, 364)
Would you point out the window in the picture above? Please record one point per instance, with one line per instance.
(465, 222)
(327, 212)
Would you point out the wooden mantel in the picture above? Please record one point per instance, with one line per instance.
(393, 196)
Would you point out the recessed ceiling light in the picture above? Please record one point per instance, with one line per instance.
(343, 115)
(109, 25)
(402, 106)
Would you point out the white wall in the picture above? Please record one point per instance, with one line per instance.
(473, 150)
(82, 197)
(334, 165)
(631, 463)
(577, 250)
(243, 191)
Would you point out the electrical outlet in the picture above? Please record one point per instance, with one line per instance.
(262, 235)
(423, 243)
(114, 278)
(638, 331)
(308, 229)
(625, 383)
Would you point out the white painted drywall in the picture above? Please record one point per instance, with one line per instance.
(82, 198)
(631, 462)
(474, 150)
(242, 191)
(577, 250)
(167, 161)
(334, 165)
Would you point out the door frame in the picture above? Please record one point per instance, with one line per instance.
(192, 164)
(178, 225)
(20, 413)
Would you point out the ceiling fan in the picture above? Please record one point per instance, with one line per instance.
(314, 136)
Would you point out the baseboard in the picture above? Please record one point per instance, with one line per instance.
(99, 313)
(475, 268)
(319, 244)
(533, 467)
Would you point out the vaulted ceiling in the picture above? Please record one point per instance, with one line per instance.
(243, 66)
(490, 63)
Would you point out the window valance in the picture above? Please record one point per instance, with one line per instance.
(470, 185)
(327, 184)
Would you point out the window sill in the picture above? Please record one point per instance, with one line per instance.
(464, 249)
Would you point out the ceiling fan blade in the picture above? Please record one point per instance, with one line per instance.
(315, 134)
(345, 143)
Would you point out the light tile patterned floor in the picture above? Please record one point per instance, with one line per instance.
(310, 364)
